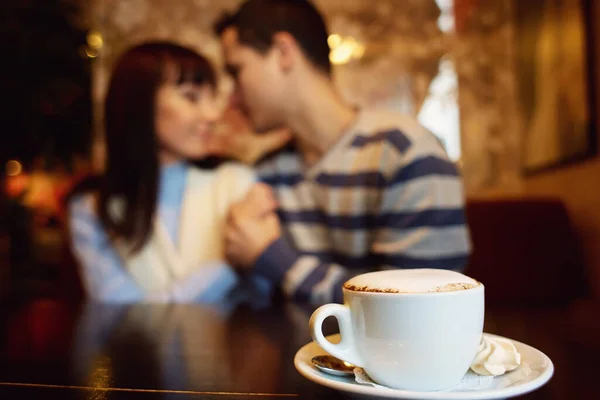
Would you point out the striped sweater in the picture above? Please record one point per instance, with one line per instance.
(384, 196)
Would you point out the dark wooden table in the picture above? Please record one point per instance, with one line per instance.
(53, 350)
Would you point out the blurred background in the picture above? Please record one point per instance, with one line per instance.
(508, 86)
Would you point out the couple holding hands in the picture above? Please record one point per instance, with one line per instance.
(353, 190)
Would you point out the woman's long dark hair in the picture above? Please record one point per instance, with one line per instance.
(132, 165)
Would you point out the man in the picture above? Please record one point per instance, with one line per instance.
(244, 145)
(363, 190)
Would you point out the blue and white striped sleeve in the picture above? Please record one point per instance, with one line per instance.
(303, 277)
(107, 281)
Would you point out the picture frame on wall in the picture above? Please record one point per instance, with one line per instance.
(555, 83)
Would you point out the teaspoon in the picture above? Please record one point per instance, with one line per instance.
(333, 366)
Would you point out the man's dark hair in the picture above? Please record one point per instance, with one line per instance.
(226, 20)
(258, 21)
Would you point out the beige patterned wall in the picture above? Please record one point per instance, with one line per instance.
(394, 73)
(403, 46)
(490, 121)
(413, 53)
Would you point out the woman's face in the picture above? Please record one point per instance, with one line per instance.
(185, 117)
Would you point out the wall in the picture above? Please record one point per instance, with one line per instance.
(398, 41)
(577, 185)
(483, 50)
(402, 44)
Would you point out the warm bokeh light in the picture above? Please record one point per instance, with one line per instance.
(334, 40)
(94, 40)
(13, 168)
(344, 49)
(91, 53)
(341, 54)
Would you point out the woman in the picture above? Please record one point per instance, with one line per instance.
(153, 232)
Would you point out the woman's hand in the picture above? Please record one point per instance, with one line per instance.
(252, 225)
(235, 138)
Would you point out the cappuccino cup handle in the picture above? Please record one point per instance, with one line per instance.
(345, 350)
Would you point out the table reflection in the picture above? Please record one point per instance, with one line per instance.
(242, 348)
(242, 351)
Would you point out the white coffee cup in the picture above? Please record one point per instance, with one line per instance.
(408, 329)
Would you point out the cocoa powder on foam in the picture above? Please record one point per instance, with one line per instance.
(446, 288)
(368, 289)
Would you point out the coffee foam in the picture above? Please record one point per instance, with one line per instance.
(411, 281)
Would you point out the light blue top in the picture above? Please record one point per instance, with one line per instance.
(102, 270)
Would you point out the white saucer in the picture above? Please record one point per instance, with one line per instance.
(535, 370)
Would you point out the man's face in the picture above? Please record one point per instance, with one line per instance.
(259, 82)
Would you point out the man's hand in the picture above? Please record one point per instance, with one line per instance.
(252, 226)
